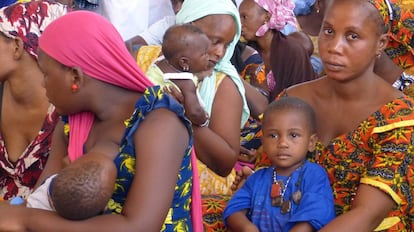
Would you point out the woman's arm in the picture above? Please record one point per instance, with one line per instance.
(159, 153)
(370, 207)
(57, 155)
(218, 145)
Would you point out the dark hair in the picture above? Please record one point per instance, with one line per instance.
(78, 191)
(293, 103)
(177, 38)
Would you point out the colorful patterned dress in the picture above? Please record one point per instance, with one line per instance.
(378, 153)
(19, 178)
(178, 218)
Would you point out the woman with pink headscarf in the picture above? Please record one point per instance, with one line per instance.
(114, 113)
(27, 119)
(286, 61)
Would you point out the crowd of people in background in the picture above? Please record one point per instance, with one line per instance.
(206, 115)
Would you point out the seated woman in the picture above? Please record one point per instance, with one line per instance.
(27, 117)
(286, 61)
(365, 137)
(112, 111)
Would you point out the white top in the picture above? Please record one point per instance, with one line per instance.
(154, 34)
(132, 17)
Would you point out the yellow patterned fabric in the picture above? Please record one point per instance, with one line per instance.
(147, 55)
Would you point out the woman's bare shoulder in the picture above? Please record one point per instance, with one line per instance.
(306, 89)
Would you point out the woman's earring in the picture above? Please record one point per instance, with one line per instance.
(378, 55)
(75, 88)
(186, 68)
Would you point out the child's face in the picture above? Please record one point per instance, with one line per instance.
(252, 17)
(349, 39)
(199, 57)
(287, 139)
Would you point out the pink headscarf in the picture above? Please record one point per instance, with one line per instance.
(28, 20)
(87, 40)
(281, 14)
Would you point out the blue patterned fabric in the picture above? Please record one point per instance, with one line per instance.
(178, 218)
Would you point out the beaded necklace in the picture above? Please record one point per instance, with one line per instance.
(278, 190)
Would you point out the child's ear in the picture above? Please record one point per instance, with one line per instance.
(312, 142)
(184, 63)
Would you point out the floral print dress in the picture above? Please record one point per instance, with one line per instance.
(18, 178)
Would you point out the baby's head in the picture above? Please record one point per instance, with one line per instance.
(83, 189)
(186, 48)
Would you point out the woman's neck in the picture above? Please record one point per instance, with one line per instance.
(25, 86)
(117, 103)
(265, 42)
(264, 46)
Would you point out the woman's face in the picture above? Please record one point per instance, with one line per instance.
(252, 17)
(349, 39)
(6, 57)
(57, 87)
(220, 29)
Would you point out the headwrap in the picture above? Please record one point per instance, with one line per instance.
(192, 10)
(281, 15)
(87, 40)
(398, 16)
(28, 20)
(303, 7)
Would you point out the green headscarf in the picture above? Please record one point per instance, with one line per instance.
(192, 10)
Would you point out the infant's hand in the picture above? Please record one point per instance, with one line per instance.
(174, 92)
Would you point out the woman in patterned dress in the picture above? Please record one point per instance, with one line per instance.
(113, 111)
(27, 117)
(366, 133)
